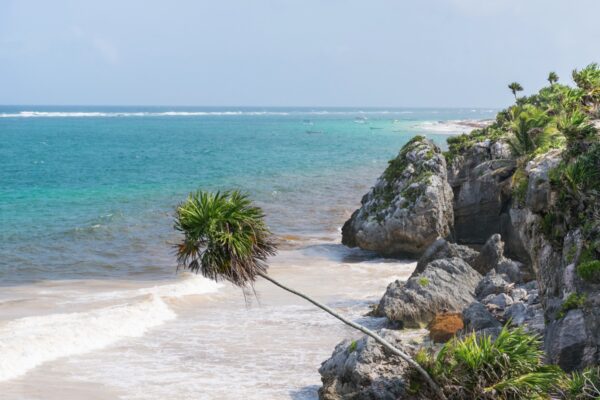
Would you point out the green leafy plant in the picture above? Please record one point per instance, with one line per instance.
(480, 367)
(423, 281)
(582, 385)
(589, 271)
(572, 302)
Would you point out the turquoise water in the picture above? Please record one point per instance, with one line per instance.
(90, 192)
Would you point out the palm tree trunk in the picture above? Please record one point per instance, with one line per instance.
(366, 331)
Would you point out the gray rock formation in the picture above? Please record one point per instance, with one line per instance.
(477, 318)
(445, 285)
(409, 207)
(362, 369)
(491, 254)
(571, 336)
(441, 248)
(491, 284)
(481, 185)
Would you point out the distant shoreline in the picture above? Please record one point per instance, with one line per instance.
(453, 127)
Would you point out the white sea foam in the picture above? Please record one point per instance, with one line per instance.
(191, 285)
(28, 342)
(451, 127)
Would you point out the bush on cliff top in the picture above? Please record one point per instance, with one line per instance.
(537, 123)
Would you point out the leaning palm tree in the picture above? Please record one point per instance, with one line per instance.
(552, 77)
(226, 238)
(514, 88)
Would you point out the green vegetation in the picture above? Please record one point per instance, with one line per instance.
(589, 271)
(573, 301)
(584, 385)
(514, 88)
(520, 181)
(394, 171)
(352, 347)
(479, 367)
(423, 281)
(545, 120)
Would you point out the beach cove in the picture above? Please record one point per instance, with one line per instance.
(99, 297)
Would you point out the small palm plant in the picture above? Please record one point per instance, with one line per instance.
(226, 238)
(552, 77)
(531, 130)
(514, 88)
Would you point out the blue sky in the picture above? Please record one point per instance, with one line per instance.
(289, 53)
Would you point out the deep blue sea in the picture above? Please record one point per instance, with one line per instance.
(90, 191)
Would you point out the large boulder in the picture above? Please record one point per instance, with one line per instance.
(445, 285)
(363, 369)
(409, 207)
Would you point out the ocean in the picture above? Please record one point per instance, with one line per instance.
(91, 305)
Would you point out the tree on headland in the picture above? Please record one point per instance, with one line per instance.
(225, 237)
(552, 78)
(514, 88)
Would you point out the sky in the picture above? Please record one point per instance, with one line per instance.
(375, 53)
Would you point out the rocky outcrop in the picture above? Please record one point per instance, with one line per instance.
(409, 207)
(481, 185)
(477, 319)
(441, 248)
(361, 369)
(445, 285)
(571, 336)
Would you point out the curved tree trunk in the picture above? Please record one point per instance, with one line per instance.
(366, 331)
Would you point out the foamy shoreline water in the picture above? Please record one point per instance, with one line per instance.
(85, 345)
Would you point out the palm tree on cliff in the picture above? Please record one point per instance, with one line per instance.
(552, 78)
(225, 237)
(514, 88)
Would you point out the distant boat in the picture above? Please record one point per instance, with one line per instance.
(307, 121)
(311, 132)
(360, 120)
(375, 127)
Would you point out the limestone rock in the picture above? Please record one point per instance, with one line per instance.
(491, 284)
(481, 185)
(445, 285)
(441, 248)
(409, 207)
(567, 341)
(490, 255)
(478, 318)
(362, 369)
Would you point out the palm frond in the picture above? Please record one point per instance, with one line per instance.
(224, 237)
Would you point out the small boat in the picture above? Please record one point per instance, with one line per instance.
(375, 127)
(313, 132)
(360, 120)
